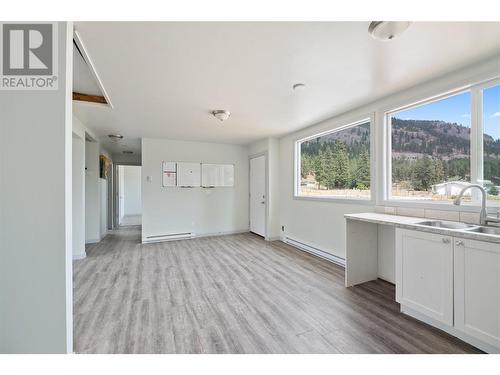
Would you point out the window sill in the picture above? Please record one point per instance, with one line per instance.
(360, 201)
(465, 207)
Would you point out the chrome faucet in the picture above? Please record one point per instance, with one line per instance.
(483, 216)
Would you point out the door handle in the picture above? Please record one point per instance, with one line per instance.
(459, 243)
(263, 202)
(446, 240)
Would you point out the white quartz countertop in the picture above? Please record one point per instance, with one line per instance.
(408, 222)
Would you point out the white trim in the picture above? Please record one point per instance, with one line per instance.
(189, 236)
(450, 330)
(92, 241)
(78, 40)
(476, 146)
(79, 256)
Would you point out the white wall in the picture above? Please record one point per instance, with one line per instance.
(35, 214)
(92, 193)
(78, 195)
(198, 210)
(321, 223)
(132, 204)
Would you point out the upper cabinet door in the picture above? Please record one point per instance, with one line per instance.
(477, 289)
(424, 273)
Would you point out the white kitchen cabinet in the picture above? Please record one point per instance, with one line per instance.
(424, 273)
(477, 289)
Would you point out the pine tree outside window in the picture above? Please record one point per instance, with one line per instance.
(335, 164)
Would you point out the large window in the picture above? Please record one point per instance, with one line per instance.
(431, 146)
(443, 145)
(491, 142)
(335, 164)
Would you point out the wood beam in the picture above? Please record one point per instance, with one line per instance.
(89, 98)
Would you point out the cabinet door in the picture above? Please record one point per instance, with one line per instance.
(424, 273)
(477, 289)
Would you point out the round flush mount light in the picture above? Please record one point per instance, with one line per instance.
(115, 137)
(221, 114)
(298, 86)
(387, 30)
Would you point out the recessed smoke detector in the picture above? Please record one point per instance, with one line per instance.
(221, 114)
(299, 86)
(127, 152)
(387, 30)
(115, 137)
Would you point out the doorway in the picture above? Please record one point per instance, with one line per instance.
(258, 195)
(129, 208)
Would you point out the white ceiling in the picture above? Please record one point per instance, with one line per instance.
(164, 78)
(83, 81)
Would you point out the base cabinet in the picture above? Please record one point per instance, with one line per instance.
(477, 289)
(452, 283)
(424, 273)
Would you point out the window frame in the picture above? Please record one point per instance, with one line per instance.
(370, 118)
(476, 147)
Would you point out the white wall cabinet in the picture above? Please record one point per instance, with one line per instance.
(477, 289)
(424, 273)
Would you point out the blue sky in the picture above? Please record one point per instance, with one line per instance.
(457, 109)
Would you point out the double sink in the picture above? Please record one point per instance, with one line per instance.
(462, 227)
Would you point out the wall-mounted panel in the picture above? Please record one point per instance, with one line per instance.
(217, 175)
(188, 174)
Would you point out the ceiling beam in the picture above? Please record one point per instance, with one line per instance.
(89, 98)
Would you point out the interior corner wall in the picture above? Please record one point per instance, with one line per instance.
(196, 210)
(78, 195)
(35, 213)
(92, 196)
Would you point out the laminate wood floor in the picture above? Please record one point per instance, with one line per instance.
(234, 294)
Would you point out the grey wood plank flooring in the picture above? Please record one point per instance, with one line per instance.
(234, 294)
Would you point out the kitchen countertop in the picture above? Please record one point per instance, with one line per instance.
(408, 222)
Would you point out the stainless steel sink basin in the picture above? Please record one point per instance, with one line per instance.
(446, 224)
(485, 230)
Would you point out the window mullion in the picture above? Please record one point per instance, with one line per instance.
(476, 141)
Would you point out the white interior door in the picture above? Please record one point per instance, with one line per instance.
(258, 195)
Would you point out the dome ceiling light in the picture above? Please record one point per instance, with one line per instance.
(115, 137)
(221, 114)
(387, 30)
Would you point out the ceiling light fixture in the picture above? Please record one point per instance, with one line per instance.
(387, 30)
(115, 137)
(221, 114)
(299, 86)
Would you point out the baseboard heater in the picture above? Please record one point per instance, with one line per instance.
(168, 237)
(315, 251)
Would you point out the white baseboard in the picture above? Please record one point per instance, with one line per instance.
(79, 256)
(148, 239)
(451, 330)
(313, 250)
(273, 238)
(89, 242)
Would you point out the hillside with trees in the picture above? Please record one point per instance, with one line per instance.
(425, 153)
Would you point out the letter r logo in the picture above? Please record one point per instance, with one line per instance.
(27, 49)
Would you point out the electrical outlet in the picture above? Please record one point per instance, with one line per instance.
(282, 228)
